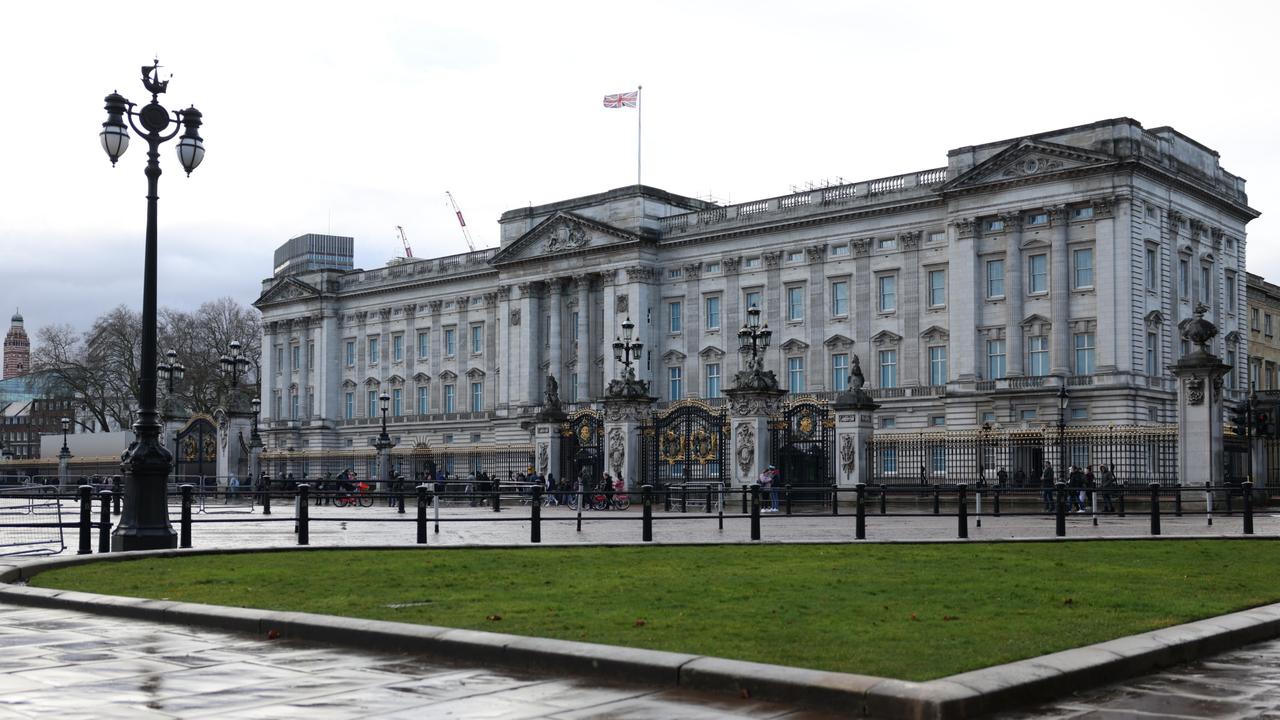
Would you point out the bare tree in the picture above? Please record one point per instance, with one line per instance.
(101, 368)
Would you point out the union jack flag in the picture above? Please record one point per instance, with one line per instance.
(626, 99)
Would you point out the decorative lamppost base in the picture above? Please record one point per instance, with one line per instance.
(144, 525)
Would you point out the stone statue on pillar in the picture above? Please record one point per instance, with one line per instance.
(854, 428)
(1200, 397)
(552, 408)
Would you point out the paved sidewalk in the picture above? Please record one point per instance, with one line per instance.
(58, 663)
(1240, 684)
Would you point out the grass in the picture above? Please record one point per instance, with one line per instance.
(914, 612)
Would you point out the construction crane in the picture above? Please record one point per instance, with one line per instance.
(408, 251)
(466, 234)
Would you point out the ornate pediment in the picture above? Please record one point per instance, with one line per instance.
(885, 338)
(673, 357)
(935, 333)
(395, 380)
(448, 375)
(838, 342)
(562, 233)
(288, 289)
(1036, 324)
(475, 373)
(1027, 159)
(794, 346)
(348, 383)
(421, 378)
(1154, 319)
(372, 382)
(711, 352)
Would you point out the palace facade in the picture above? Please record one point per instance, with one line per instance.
(969, 292)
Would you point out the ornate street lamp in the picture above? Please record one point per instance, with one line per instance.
(626, 350)
(234, 365)
(255, 440)
(144, 523)
(753, 340)
(66, 425)
(383, 443)
(171, 373)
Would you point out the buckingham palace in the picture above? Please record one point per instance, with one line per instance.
(969, 293)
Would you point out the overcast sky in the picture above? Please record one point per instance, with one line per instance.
(353, 118)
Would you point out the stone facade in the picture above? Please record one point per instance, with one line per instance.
(971, 292)
(1264, 342)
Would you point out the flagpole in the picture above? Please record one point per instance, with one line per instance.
(639, 115)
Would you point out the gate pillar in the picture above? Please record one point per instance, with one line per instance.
(855, 426)
(232, 428)
(547, 442)
(749, 413)
(623, 418)
(1199, 375)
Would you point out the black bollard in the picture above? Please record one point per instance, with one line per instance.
(1060, 509)
(666, 498)
(184, 523)
(497, 497)
(304, 519)
(86, 520)
(104, 522)
(835, 499)
(1208, 502)
(1155, 508)
(422, 514)
(1121, 506)
(646, 517)
(266, 498)
(745, 509)
(684, 498)
(788, 497)
(720, 505)
(1247, 489)
(535, 516)
(116, 494)
(937, 500)
(860, 525)
(755, 511)
(995, 502)
(962, 512)
(400, 496)
(884, 499)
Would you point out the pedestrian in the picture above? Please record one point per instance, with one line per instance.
(551, 488)
(1046, 484)
(233, 487)
(1019, 478)
(1108, 486)
(1002, 478)
(1090, 485)
(1075, 489)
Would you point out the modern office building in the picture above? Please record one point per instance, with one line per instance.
(970, 292)
(311, 252)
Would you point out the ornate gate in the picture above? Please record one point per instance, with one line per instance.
(197, 445)
(582, 447)
(686, 444)
(803, 448)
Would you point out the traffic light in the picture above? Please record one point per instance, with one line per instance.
(1262, 425)
(1240, 419)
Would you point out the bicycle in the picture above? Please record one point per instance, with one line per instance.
(616, 499)
(349, 498)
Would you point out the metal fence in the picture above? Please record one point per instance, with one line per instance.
(1136, 454)
(30, 520)
(499, 461)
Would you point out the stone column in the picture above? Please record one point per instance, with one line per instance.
(583, 358)
(732, 314)
(623, 419)
(967, 271)
(555, 307)
(506, 361)
(815, 320)
(640, 300)
(1111, 282)
(546, 438)
(232, 425)
(610, 326)
(855, 427)
(1059, 294)
(749, 413)
(1014, 293)
(64, 469)
(269, 370)
(1199, 374)
(329, 363)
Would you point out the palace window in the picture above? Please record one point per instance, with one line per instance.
(397, 403)
(1038, 273)
(841, 250)
(350, 353)
(371, 406)
(477, 396)
(477, 338)
(1152, 269)
(1153, 355)
(295, 356)
(713, 312)
(373, 351)
(840, 372)
(423, 402)
(752, 299)
(888, 243)
(1084, 353)
(713, 380)
(995, 279)
(449, 392)
(675, 383)
(1231, 292)
(1038, 355)
(397, 348)
(424, 344)
(937, 288)
(349, 406)
(840, 298)
(888, 368)
(888, 292)
(1038, 219)
(1184, 278)
(673, 317)
(1084, 212)
(1082, 261)
(795, 304)
(795, 375)
(995, 359)
(938, 365)
(450, 342)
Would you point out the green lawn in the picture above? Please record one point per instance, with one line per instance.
(914, 612)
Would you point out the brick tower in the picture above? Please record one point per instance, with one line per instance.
(17, 349)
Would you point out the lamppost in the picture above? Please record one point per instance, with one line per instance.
(170, 373)
(626, 350)
(64, 457)
(1062, 430)
(753, 340)
(383, 444)
(144, 523)
(255, 444)
(234, 366)
(66, 426)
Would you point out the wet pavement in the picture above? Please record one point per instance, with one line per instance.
(64, 664)
(1241, 684)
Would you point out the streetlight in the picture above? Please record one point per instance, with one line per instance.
(255, 440)
(171, 372)
(234, 364)
(1062, 429)
(383, 444)
(626, 350)
(754, 338)
(66, 425)
(144, 523)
